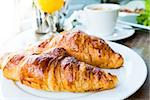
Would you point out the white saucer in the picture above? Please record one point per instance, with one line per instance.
(121, 32)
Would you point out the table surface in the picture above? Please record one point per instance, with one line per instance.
(140, 43)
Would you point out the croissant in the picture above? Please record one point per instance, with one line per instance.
(83, 47)
(55, 70)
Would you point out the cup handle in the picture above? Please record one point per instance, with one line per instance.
(75, 19)
(79, 16)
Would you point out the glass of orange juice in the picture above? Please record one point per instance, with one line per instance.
(48, 13)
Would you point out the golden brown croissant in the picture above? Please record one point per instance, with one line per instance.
(54, 70)
(83, 47)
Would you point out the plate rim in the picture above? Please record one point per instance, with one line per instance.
(145, 66)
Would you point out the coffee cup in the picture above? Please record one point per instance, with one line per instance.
(99, 19)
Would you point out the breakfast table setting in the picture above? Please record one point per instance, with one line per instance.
(95, 51)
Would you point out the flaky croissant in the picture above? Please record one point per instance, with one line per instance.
(55, 70)
(83, 47)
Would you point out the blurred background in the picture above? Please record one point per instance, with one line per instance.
(19, 15)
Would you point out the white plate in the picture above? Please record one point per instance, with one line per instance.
(121, 32)
(130, 19)
(131, 77)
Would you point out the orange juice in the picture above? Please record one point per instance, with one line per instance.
(50, 6)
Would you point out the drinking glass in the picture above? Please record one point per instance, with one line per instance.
(50, 15)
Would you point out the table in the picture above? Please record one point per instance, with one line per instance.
(139, 42)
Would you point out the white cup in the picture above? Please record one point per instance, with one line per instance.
(99, 19)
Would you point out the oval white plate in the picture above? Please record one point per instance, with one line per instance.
(121, 32)
(131, 77)
(130, 19)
